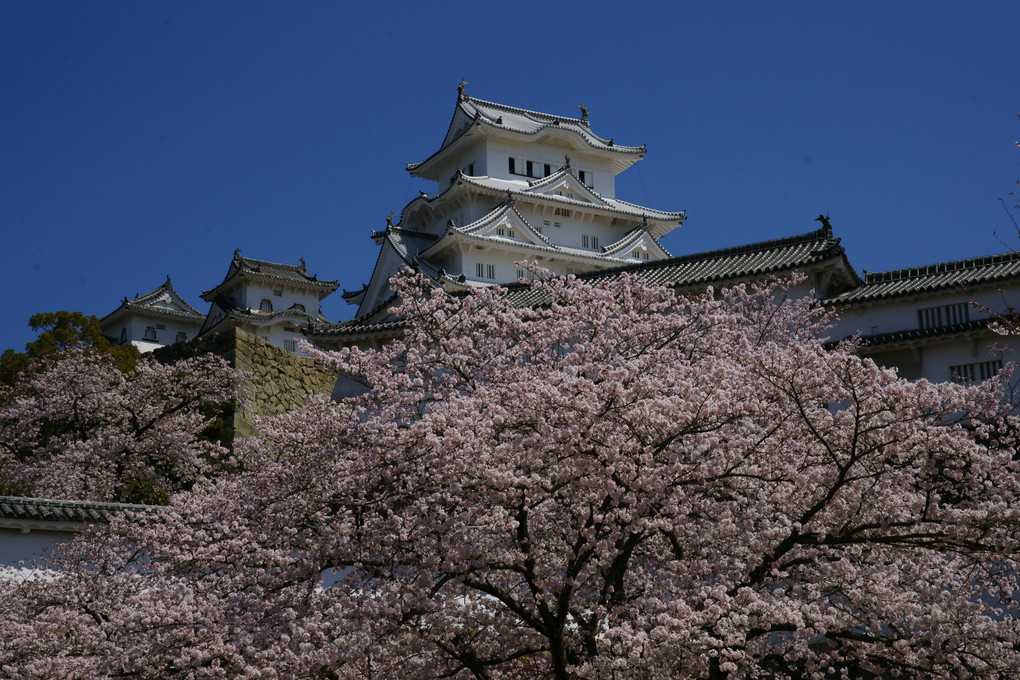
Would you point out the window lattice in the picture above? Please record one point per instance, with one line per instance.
(943, 315)
(981, 370)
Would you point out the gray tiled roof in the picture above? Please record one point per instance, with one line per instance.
(728, 264)
(407, 242)
(246, 267)
(355, 328)
(50, 510)
(923, 333)
(941, 276)
(232, 315)
(780, 256)
(532, 122)
(597, 202)
(147, 304)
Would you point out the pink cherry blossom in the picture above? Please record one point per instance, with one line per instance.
(76, 427)
(618, 482)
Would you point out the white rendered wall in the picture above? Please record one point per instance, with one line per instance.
(897, 314)
(16, 546)
(499, 151)
(251, 296)
(135, 327)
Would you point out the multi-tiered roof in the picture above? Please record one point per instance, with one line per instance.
(230, 304)
(515, 185)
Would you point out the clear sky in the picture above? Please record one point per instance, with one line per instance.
(140, 139)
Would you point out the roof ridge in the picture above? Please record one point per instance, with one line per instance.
(939, 268)
(249, 260)
(62, 502)
(817, 235)
(518, 109)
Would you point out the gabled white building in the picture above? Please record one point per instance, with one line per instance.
(515, 185)
(271, 300)
(932, 321)
(160, 317)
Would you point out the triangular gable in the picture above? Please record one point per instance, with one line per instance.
(506, 218)
(636, 242)
(389, 262)
(564, 183)
(461, 122)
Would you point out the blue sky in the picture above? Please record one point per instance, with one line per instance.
(144, 139)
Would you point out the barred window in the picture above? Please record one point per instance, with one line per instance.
(976, 372)
(943, 315)
(266, 305)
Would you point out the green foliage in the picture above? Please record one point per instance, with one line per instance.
(143, 490)
(59, 332)
(12, 364)
(10, 487)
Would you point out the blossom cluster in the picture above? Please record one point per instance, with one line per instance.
(76, 427)
(618, 481)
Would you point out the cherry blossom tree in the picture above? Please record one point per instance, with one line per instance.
(75, 426)
(609, 481)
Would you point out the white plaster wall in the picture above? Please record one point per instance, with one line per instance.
(498, 151)
(937, 358)
(166, 336)
(887, 316)
(506, 269)
(16, 546)
(279, 334)
(251, 297)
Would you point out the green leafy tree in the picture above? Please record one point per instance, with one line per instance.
(59, 332)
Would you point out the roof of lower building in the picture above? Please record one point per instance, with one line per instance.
(944, 275)
(162, 302)
(755, 260)
(246, 268)
(356, 328)
(52, 510)
(922, 333)
(748, 261)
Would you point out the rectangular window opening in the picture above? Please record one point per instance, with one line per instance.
(975, 372)
(943, 315)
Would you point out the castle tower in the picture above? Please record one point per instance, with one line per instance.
(515, 185)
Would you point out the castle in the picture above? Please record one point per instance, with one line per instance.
(517, 185)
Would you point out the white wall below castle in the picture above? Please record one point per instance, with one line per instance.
(137, 332)
(16, 546)
(280, 296)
